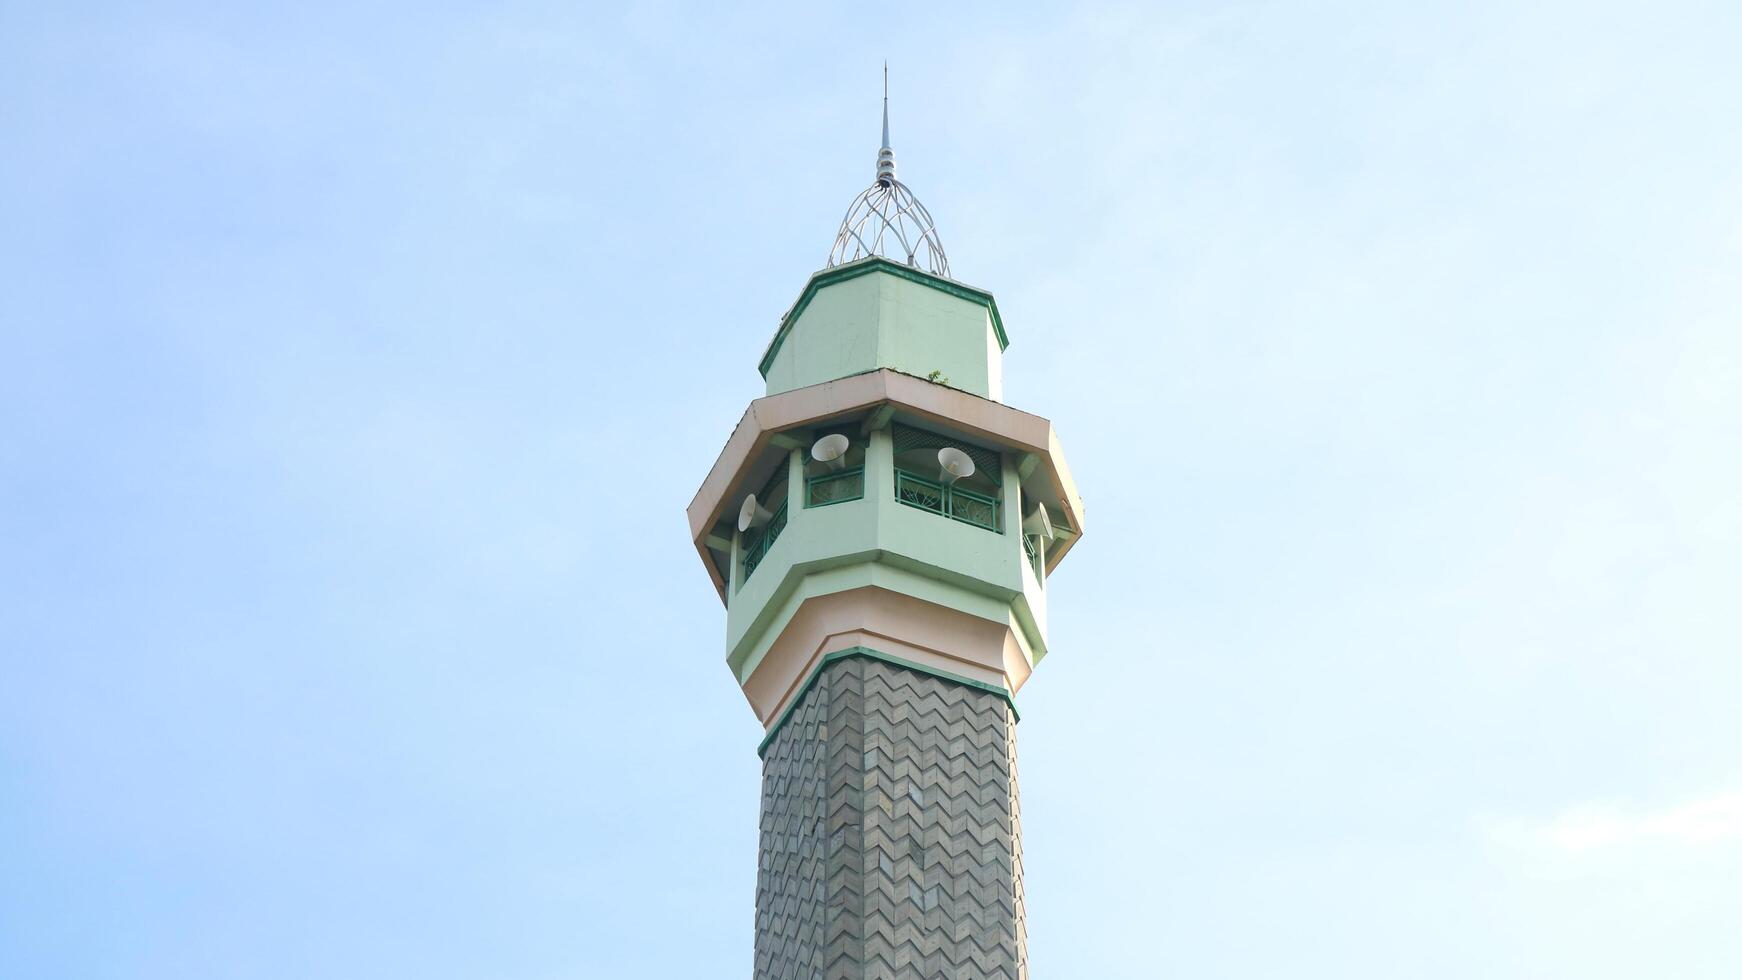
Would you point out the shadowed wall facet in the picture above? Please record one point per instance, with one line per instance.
(891, 840)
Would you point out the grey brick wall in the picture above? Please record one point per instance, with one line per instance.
(891, 841)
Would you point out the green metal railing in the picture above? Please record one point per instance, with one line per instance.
(757, 548)
(1033, 554)
(834, 488)
(953, 502)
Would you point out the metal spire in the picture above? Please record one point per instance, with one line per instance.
(887, 220)
(885, 156)
(886, 105)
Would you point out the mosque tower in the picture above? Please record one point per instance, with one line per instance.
(881, 527)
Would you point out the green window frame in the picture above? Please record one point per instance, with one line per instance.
(946, 500)
(756, 549)
(834, 488)
(1033, 554)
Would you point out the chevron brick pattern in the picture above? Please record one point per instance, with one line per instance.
(891, 839)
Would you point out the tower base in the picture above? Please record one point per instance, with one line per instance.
(891, 839)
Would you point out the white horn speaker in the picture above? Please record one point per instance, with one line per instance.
(752, 514)
(954, 464)
(1039, 523)
(831, 449)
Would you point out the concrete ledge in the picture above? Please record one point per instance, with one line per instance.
(943, 640)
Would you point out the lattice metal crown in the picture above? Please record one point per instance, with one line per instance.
(887, 220)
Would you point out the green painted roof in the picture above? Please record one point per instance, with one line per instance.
(864, 267)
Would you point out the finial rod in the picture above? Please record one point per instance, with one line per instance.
(886, 105)
(885, 156)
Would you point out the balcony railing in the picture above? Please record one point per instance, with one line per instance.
(950, 501)
(1033, 554)
(757, 548)
(834, 488)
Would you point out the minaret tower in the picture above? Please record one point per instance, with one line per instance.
(881, 527)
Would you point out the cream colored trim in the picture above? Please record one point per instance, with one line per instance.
(900, 625)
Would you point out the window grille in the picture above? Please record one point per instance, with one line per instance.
(906, 438)
(835, 488)
(761, 539)
(948, 501)
(824, 486)
(1033, 554)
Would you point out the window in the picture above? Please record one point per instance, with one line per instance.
(834, 488)
(758, 540)
(836, 480)
(974, 499)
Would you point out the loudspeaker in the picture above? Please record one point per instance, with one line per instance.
(955, 465)
(752, 514)
(831, 450)
(1039, 523)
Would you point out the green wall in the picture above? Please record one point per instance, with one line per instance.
(879, 541)
(875, 314)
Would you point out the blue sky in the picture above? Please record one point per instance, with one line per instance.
(1397, 350)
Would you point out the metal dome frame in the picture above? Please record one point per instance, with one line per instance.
(887, 220)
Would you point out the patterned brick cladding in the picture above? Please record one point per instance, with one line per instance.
(891, 841)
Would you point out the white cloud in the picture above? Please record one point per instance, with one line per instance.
(1599, 826)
